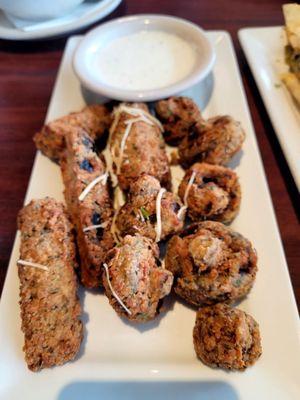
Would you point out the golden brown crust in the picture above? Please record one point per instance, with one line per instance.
(138, 214)
(227, 338)
(215, 193)
(211, 263)
(136, 278)
(214, 141)
(94, 119)
(144, 151)
(178, 115)
(80, 165)
(50, 308)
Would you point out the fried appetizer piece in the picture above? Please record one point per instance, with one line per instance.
(214, 141)
(150, 211)
(50, 309)
(226, 337)
(87, 195)
(292, 50)
(211, 263)
(133, 279)
(291, 14)
(178, 115)
(137, 146)
(293, 85)
(210, 192)
(94, 119)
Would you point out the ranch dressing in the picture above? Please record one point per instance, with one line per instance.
(145, 60)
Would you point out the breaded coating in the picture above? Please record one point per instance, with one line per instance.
(178, 115)
(80, 166)
(137, 146)
(226, 337)
(210, 192)
(94, 119)
(134, 281)
(50, 309)
(139, 213)
(214, 141)
(211, 263)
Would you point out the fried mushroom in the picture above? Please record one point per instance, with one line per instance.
(210, 192)
(226, 337)
(178, 115)
(214, 141)
(211, 263)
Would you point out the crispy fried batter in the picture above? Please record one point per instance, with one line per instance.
(50, 308)
(227, 338)
(178, 115)
(214, 194)
(80, 165)
(211, 263)
(138, 215)
(144, 149)
(94, 119)
(214, 141)
(136, 278)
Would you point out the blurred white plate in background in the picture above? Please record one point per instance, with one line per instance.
(83, 15)
(264, 50)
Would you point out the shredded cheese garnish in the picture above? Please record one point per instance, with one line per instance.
(118, 197)
(137, 112)
(118, 161)
(101, 178)
(141, 116)
(129, 123)
(186, 193)
(141, 215)
(32, 264)
(113, 292)
(91, 227)
(158, 214)
(114, 124)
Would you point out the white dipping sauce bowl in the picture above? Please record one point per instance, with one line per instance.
(92, 44)
(38, 9)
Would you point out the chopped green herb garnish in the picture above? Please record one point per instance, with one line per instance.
(238, 282)
(145, 213)
(277, 85)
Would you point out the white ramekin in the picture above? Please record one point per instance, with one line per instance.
(100, 36)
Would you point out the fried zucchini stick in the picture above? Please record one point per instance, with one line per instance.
(50, 308)
(88, 201)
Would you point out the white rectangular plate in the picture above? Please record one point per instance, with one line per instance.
(264, 49)
(121, 360)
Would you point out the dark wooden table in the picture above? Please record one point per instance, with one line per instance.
(27, 75)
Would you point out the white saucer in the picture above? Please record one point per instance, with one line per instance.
(91, 12)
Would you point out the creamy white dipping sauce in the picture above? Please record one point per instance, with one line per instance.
(145, 60)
